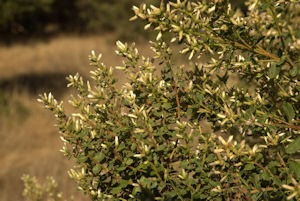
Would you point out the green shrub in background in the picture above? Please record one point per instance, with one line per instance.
(32, 18)
(37, 192)
(147, 137)
(23, 16)
(109, 15)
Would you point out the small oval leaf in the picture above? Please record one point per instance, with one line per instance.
(295, 168)
(293, 147)
(96, 169)
(99, 156)
(289, 111)
(294, 71)
(82, 158)
(273, 71)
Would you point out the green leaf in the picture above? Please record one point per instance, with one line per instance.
(82, 158)
(265, 176)
(257, 180)
(262, 119)
(210, 158)
(248, 113)
(97, 169)
(116, 190)
(189, 111)
(129, 161)
(258, 156)
(161, 147)
(295, 168)
(83, 133)
(167, 106)
(123, 183)
(203, 196)
(249, 166)
(199, 97)
(99, 156)
(136, 190)
(293, 147)
(282, 60)
(273, 164)
(121, 168)
(273, 71)
(172, 194)
(121, 146)
(294, 71)
(289, 111)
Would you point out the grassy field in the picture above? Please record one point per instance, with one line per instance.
(29, 141)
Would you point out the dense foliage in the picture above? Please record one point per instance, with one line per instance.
(147, 137)
(21, 16)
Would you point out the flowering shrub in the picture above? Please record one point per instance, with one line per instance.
(147, 136)
(37, 192)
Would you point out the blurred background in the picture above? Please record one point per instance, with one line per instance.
(42, 42)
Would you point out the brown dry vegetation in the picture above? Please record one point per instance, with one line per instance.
(29, 141)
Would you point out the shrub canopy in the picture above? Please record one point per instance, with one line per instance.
(147, 137)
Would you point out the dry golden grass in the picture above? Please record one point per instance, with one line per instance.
(29, 141)
(64, 54)
(30, 144)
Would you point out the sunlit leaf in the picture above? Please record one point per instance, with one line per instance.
(293, 147)
(96, 169)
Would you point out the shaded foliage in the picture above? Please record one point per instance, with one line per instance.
(32, 18)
